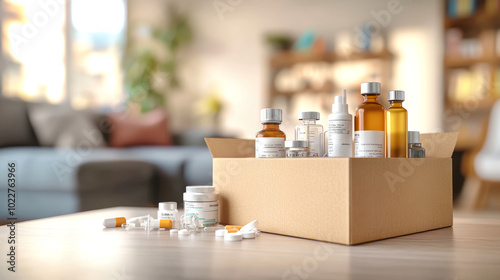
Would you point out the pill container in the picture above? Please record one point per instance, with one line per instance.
(297, 148)
(203, 202)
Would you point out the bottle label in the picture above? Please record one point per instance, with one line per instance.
(369, 144)
(314, 138)
(166, 215)
(266, 147)
(339, 138)
(207, 212)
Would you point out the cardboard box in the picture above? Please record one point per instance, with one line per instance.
(341, 200)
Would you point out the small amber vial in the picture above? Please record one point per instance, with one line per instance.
(396, 127)
(369, 124)
(269, 142)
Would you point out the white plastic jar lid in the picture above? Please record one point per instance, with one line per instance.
(200, 193)
(236, 236)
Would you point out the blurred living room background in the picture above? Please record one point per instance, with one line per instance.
(106, 103)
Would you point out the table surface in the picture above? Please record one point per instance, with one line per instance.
(77, 246)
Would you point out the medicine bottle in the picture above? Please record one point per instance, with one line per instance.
(295, 149)
(415, 149)
(311, 132)
(168, 211)
(340, 129)
(269, 142)
(203, 202)
(396, 127)
(369, 124)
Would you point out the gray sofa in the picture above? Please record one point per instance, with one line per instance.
(54, 181)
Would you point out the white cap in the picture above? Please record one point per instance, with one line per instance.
(340, 105)
(235, 236)
(200, 193)
(248, 235)
(167, 206)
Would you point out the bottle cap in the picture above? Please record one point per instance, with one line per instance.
(200, 193)
(309, 116)
(237, 236)
(413, 137)
(340, 105)
(167, 206)
(296, 144)
(248, 235)
(270, 115)
(396, 95)
(370, 88)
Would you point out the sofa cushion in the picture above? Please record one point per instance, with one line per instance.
(15, 126)
(148, 129)
(58, 126)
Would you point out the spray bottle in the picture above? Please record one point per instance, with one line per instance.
(340, 129)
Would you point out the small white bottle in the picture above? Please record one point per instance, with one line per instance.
(340, 129)
(311, 132)
(168, 211)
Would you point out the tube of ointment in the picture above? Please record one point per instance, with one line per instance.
(114, 222)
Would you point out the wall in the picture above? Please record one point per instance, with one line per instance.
(229, 52)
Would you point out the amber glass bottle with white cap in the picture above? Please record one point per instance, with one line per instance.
(270, 141)
(396, 127)
(369, 124)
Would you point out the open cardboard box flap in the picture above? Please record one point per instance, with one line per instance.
(437, 145)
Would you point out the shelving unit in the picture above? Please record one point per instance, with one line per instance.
(478, 70)
(284, 60)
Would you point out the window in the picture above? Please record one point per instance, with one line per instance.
(46, 57)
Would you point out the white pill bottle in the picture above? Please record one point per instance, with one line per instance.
(203, 202)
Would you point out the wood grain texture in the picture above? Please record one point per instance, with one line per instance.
(78, 247)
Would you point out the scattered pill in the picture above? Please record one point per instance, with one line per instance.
(220, 232)
(114, 222)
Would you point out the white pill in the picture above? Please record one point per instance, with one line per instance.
(248, 235)
(184, 232)
(220, 232)
(174, 231)
(236, 236)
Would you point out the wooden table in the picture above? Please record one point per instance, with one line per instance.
(78, 247)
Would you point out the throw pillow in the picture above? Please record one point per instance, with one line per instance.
(63, 127)
(147, 129)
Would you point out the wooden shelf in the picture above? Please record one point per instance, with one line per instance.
(458, 62)
(287, 59)
(479, 20)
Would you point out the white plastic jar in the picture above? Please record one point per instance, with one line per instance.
(203, 202)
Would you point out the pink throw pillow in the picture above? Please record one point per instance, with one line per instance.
(148, 129)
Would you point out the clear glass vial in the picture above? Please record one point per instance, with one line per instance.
(396, 127)
(415, 149)
(269, 142)
(369, 124)
(310, 131)
(296, 149)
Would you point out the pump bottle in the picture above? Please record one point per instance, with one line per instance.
(340, 129)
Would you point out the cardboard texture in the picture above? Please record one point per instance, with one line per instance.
(341, 200)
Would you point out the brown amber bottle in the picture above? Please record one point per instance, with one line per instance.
(396, 127)
(269, 142)
(369, 124)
